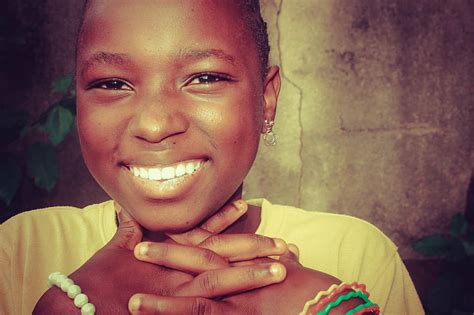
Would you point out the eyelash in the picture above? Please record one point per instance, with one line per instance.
(211, 78)
(118, 84)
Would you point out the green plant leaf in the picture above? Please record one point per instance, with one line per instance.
(435, 245)
(62, 84)
(58, 124)
(10, 179)
(42, 165)
(459, 225)
(69, 103)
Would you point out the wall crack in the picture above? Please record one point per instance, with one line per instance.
(300, 102)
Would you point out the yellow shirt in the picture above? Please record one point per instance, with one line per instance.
(36, 243)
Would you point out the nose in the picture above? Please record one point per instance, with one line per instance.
(157, 119)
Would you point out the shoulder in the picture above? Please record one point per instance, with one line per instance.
(337, 244)
(348, 248)
(46, 222)
(292, 220)
(35, 243)
(60, 213)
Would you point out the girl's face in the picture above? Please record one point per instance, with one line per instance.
(170, 106)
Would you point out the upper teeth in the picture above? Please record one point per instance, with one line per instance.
(168, 172)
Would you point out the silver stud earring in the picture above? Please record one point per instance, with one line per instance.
(269, 137)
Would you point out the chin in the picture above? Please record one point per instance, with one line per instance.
(170, 218)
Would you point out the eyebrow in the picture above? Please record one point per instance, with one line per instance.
(206, 53)
(124, 59)
(105, 57)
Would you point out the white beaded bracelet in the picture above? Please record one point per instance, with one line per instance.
(73, 291)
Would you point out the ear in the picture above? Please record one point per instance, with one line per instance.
(270, 93)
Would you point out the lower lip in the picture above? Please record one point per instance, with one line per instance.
(165, 189)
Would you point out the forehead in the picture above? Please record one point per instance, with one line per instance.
(165, 27)
(196, 22)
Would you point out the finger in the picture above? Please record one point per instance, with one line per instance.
(294, 250)
(192, 237)
(184, 258)
(233, 280)
(236, 247)
(129, 232)
(253, 261)
(165, 305)
(215, 224)
(225, 217)
(293, 253)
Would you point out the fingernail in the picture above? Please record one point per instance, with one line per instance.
(241, 205)
(294, 249)
(276, 269)
(134, 304)
(280, 244)
(142, 249)
(117, 207)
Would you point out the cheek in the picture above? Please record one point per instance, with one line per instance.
(90, 131)
(233, 130)
(98, 134)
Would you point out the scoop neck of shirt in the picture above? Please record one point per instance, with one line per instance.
(270, 219)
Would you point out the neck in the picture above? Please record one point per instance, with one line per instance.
(248, 223)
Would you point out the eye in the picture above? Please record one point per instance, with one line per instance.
(113, 84)
(208, 78)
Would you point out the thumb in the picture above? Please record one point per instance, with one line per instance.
(129, 232)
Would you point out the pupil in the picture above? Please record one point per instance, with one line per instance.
(115, 84)
(208, 78)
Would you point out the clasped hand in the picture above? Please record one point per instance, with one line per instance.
(198, 272)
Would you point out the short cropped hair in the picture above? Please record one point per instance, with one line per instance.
(252, 19)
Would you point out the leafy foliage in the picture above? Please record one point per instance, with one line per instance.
(58, 124)
(453, 291)
(62, 84)
(20, 149)
(42, 165)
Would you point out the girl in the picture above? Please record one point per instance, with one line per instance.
(171, 99)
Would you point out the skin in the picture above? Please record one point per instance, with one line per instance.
(113, 274)
(154, 88)
(163, 92)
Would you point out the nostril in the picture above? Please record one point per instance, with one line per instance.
(154, 127)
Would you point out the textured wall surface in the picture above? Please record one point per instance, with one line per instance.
(375, 116)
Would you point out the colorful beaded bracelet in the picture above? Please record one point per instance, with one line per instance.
(345, 297)
(324, 297)
(368, 307)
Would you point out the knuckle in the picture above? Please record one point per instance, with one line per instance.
(213, 242)
(201, 307)
(208, 257)
(222, 214)
(259, 241)
(127, 236)
(161, 250)
(210, 282)
(250, 274)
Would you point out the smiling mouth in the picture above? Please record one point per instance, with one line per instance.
(168, 172)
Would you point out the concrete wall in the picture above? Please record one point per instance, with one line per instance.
(375, 115)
